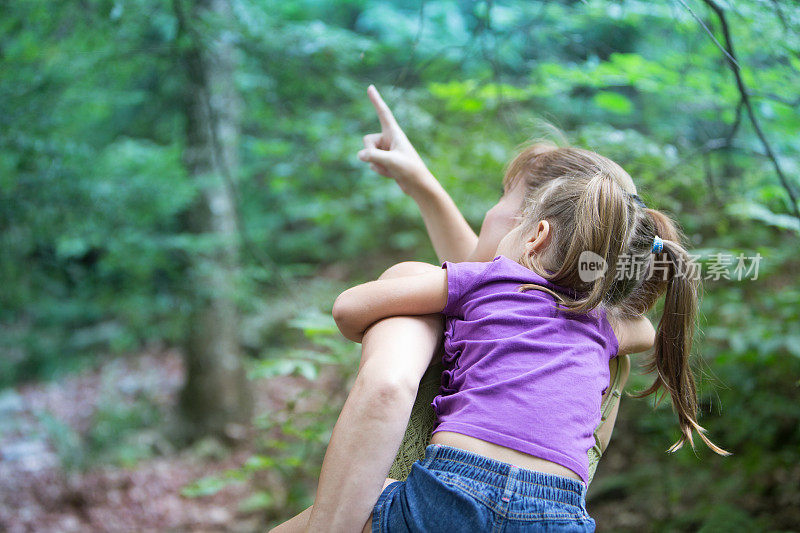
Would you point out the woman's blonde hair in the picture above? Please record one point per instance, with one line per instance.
(591, 205)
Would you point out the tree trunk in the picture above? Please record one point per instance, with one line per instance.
(216, 399)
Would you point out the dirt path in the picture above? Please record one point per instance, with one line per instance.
(44, 427)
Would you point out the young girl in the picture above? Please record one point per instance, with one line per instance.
(504, 421)
(527, 347)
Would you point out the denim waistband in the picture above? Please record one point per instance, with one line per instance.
(497, 473)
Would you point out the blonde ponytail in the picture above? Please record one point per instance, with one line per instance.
(590, 212)
(673, 345)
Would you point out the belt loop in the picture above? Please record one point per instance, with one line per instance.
(511, 484)
(430, 454)
(584, 490)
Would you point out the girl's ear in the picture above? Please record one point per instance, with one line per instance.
(537, 243)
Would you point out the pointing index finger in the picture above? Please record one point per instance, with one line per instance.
(384, 113)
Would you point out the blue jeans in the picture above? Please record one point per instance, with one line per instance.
(453, 490)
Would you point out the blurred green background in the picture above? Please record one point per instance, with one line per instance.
(180, 203)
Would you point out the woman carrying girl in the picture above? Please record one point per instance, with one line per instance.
(528, 340)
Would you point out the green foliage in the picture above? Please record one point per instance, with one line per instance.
(120, 433)
(94, 192)
(67, 442)
(116, 435)
(293, 440)
(210, 485)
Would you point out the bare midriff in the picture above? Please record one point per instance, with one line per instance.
(501, 453)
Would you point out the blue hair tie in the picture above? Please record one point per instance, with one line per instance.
(658, 245)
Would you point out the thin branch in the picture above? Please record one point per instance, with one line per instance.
(745, 99)
(777, 98)
(736, 122)
(709, 172)
(420, 25)
(709, 32)
(485, 30)
(710, 145)
(781, 16)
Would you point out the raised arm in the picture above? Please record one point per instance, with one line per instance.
(391, 154)
(452, 237)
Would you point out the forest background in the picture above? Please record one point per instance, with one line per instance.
(181, 201)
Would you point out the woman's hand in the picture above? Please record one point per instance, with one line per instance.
(390, 153)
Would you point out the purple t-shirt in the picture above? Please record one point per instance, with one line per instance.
(519, 373)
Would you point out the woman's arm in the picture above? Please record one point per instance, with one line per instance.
(452, 237)
(359, 307)
(395, 352)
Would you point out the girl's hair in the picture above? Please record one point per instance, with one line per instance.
(592, 206)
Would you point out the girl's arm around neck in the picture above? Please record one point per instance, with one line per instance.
(634, 334)
(357, 308)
